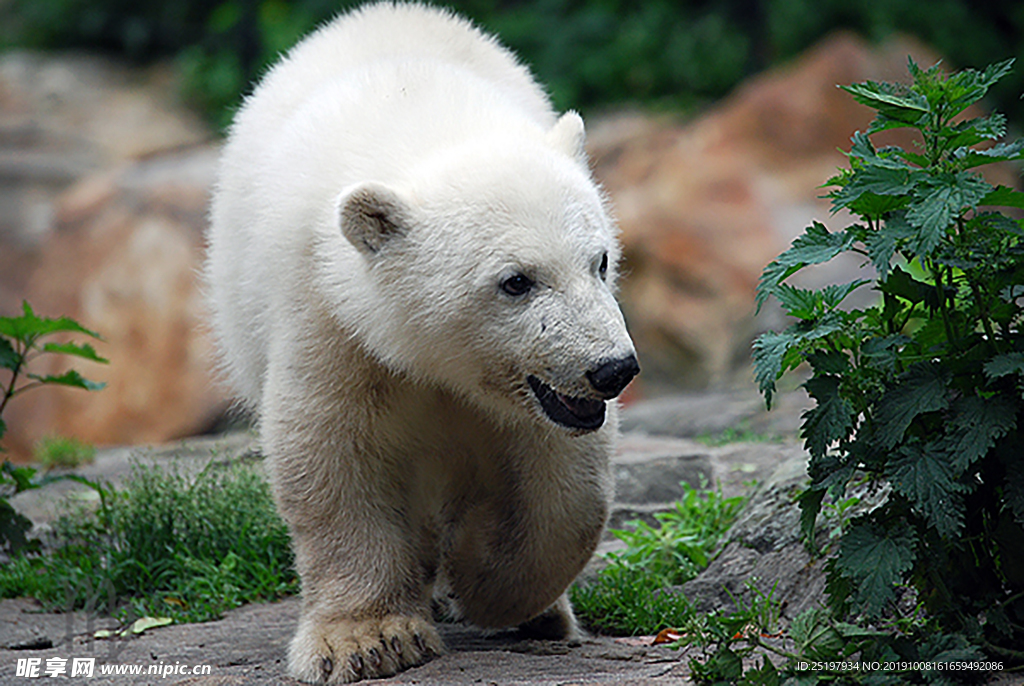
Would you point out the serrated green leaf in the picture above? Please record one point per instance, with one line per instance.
(882, 243)
(922, 473)
(964, 88)
(799, 302)
(921, 389)
(1007, 363)
(813, 635)
(882, 353)
(84, 351)
(1001, 196)
(28, 327)
(938, 200)
(901, 284)
(68, 378)
(976, 424)
(968, 158)
(830, 420)
(973, 131)
(833, 294)
(814, 246)
(9, 359)
(774, 353)
(810, 505)
(894, 101)
(829, 362)
(874, 179)
(875, 559)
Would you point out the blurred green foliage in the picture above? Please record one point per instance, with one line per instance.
(590, 53)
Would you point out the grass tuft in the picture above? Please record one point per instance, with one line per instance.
(168, 544)
(629, 596)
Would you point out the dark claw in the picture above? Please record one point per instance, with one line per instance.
(421, 645)
(356, 664)
(375, 659)
(396, 645)
(326, 666)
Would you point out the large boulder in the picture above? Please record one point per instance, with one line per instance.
(102, 211)
(705, 205)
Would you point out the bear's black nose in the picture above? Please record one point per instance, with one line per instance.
(610, 378)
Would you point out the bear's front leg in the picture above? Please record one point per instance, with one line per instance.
(363, 552)
(347, 650)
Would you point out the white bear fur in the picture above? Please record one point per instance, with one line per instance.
(375, 191)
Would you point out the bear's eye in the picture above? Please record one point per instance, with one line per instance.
(603, 269)
(516, 285)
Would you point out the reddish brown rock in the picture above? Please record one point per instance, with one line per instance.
(102, 206)
(123, 259)
(705, 205)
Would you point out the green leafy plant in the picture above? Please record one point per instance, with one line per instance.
(169, 544)
(62, 451)
(629, 596)
(923, 392)
(22, 341)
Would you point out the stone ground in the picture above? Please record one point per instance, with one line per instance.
(249, 645)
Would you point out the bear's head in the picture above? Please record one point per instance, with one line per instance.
(493, 273)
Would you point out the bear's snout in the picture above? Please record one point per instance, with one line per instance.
(611, 377)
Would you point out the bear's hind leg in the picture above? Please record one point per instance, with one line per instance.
(556, 623)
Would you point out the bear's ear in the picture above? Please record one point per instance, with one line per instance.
(370, 214)
(569, 136)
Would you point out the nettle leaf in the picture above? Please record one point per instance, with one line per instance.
(895, 101)
(829, 362)
(875, 560)
(834, 294)
(9, 358)
(830, 420)
(799, 302)
(882, 353)
(774, 353)
(29, 327)
(938, 200)
(810, 505)
(1002, 196)
(921, 389)
(923, 474)
(977, 423)
(69, 378)
(1007, 363)
(901, 284)
(882, 180)
(84, 351)
(814, 637)
(1004, 152)
(964, 88)
(974, 131)
(814, 246)
(882, 243)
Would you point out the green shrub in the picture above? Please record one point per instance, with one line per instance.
(21, 342)
(923, 392)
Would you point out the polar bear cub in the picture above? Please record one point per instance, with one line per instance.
(412, 278)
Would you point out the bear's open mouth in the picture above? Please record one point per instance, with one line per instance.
(575, 413)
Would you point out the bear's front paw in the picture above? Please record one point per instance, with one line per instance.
(348, 650)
